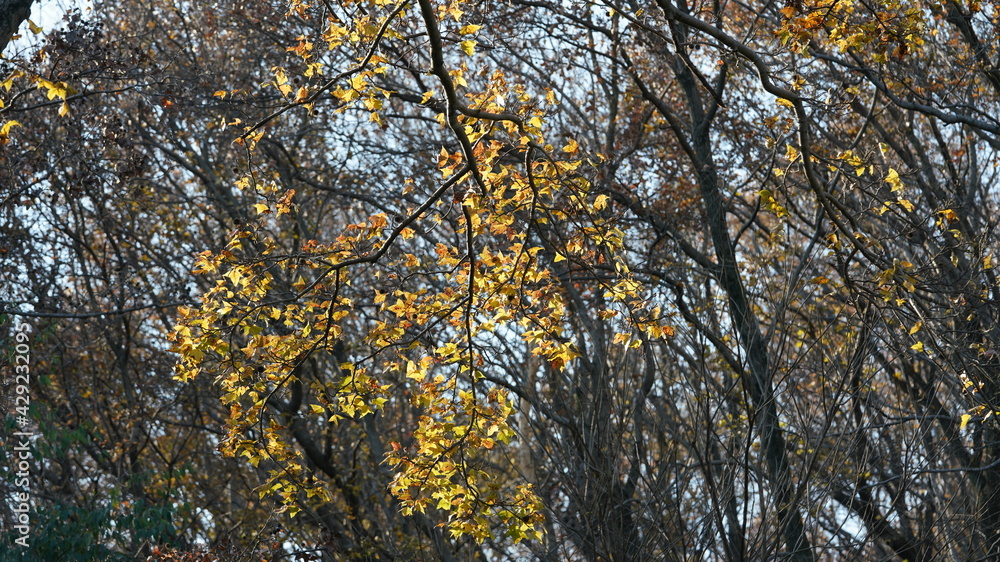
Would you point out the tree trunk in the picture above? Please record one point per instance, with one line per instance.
(12, 15)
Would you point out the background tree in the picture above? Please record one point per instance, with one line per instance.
(601, 281)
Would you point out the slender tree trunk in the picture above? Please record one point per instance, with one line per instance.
(760, 384)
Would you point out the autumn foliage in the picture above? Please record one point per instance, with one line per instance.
(460, 280)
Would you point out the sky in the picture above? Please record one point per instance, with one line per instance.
(48, 15)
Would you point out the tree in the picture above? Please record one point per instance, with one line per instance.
(611, 281)
(12, 15)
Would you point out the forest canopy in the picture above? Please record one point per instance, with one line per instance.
(522, 280)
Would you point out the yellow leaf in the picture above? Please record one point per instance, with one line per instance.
(64, 109)
(769, 202)
(34, 28)
(468, 47)
(965, 420)
(916, 327)
(919, 346)
(413, 371)
(56, 89)
(949, 214)
(317, 409)
(314, 69)
(469, 29)
(791, 152)
(447, 349)
(5, 130)
(906, 205)
(357, 82)
(895, 184)
(572, 147)
(9, 82)
(784, 102)
(261, 208)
